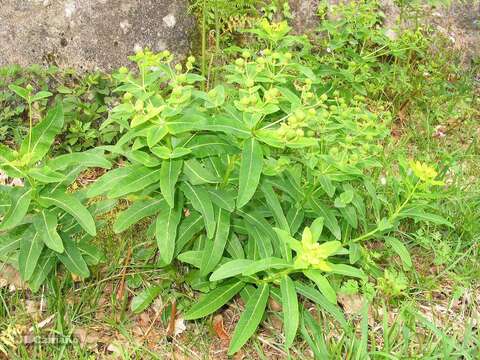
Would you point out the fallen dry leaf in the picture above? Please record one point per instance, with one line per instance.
(276, 322)
(239, 355)
(274, 305)
(351, 304)
(117, 348)
(10, 277)
(42, 323)
(180, 326)
(219, 328)
(86, 337)
(33, 308)
(157, 305)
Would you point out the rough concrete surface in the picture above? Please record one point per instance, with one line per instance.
(90, 34)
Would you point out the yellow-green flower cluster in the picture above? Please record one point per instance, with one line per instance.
(425, 173)
(314, 255)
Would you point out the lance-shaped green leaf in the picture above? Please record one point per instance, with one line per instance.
(143, 300)
(186, 123)
(110, 180)
(189, 226)
(46, 225)
(327, 185)
(155, 134)
(250, 171)
(211, 145)
(30, 251)
(419, 214)
(316, 228)
(71, 205)
(234, 247)
(330, 220)
(203, 204)
(136, 212)
(142, 157)
(265, 264)
(197, 174)
(214, 300)
(259, 228)
(313, 335)
(41, 95)
(288, 243)
(72, 259)
(322, 284)
(87, 159)
(401, 250)
(17, 210)
(45, 265)
(262, 240)
(274, 205)
(102, 207)
(46, 175)
(138, 179)
(315, 296)
(38, 142)
(230, 269)
(250, 319)
(7, 162)
(170, 171)
(22, 92)
(192, 257)
(166, 229)
(9, 243)
(222, 198)
(90, 253)
(213, 251)
(295, 218)
(228, 125)
(290, 309)
(350, 215)
(347, 270)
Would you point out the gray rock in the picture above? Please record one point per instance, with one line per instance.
(90, 34)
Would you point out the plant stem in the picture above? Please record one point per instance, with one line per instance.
(390, 219)
(30, 118)
(204, 38)
(276, 276)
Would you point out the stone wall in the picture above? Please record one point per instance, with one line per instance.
(90, 34)
(460, 22)
(100, 34)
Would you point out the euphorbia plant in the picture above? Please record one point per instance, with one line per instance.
(42, 222)
(232, 173)
(268, 275)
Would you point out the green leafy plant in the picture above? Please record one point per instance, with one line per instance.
(85, 101)
(393, 283)
(231, 174)
(42, 222)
